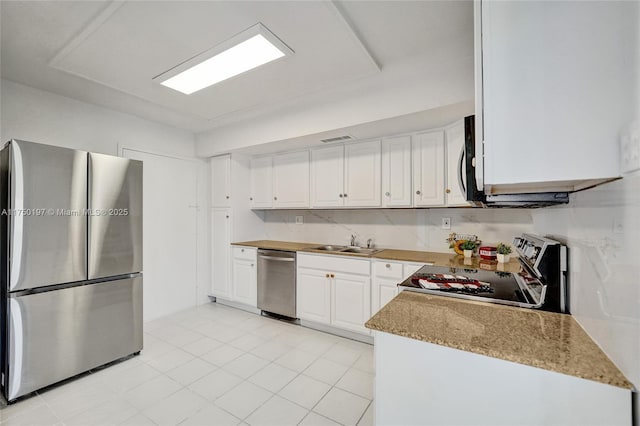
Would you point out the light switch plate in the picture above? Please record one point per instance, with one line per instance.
(446, 223)
(299, 220)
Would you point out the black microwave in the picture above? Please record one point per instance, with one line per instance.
(479, 198)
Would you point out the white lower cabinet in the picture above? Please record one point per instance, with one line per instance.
(350, 302)
(244, 277)
(386, 275)
(220, 253)
(313, 295)
(334, 290)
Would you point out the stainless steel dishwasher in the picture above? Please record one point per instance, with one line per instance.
(277, 282)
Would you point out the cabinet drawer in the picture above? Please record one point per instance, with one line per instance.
(335, 264)
(410, 268)
(388, 269)
(247, 253)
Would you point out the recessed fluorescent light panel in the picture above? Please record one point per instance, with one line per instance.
(243, 52)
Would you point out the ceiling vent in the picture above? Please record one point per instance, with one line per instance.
(337, 139)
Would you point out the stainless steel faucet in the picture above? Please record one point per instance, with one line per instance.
(353, 240)
(369, 241)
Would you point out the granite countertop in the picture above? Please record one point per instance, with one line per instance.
(438, 259)
(276, 245)
(546, 340)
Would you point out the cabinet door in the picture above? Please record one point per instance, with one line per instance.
(351, 302)
(555, 91)
(221, 181)
(362, 165)
(396, 172)
(428, 169)
(313, 298)
(456, 178)
(220, 253)
(327, 177)
(291, 180)
(261, 189)
(382, 291)
(245, 288)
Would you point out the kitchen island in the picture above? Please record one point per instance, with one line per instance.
(441, 360)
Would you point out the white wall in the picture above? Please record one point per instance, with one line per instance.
(39, 116)
(410, 229)
(601, 227)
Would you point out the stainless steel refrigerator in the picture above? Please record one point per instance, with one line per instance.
(71, 262)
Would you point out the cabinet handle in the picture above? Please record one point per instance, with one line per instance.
(252, 265)
(387, 266)
(327, 275)
(340, 195)
(345, 195)
(242, 250)
(333, 276)
(250, 198)
(448, 191)
(227, 216)
(227, 197)
(275, 198)
(418, 192)
(388, 194)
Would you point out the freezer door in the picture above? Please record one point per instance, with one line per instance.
(115, 222)
(47, 226)
(57, 334)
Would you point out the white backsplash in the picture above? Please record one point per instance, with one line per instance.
(410, 229)
(601, 227)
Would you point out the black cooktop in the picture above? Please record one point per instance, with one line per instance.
(518, 289)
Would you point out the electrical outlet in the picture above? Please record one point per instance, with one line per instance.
(446, 223)
(299, 220)
(630, 148)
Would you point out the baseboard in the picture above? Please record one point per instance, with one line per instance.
(237, 305)
(338, 331)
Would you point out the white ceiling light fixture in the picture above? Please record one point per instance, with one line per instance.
(250, 49)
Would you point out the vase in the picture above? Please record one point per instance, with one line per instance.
(468, 253)
(503, 258)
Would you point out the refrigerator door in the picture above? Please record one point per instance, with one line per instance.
(47, 226)
(115, 222)
(57, 334)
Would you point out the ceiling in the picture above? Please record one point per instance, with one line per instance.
(107, 52)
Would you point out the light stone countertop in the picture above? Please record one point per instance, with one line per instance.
(547, 340)
(438, 259)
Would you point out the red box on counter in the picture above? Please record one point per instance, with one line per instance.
(488, 252)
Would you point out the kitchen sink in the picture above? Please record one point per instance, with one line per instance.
(346, 249)
(361, 250)
(330, 248)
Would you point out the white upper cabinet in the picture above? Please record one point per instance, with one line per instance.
(554, 87)
(346, 176)
(327, 177)
(221, 181)
(261, 182)
(396, 172)
(362, 174)
(456, 176)
(291, 180)
(428, 169)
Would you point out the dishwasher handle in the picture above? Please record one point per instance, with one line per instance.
(278, 259)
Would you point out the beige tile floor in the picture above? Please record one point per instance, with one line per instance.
(215, 365)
